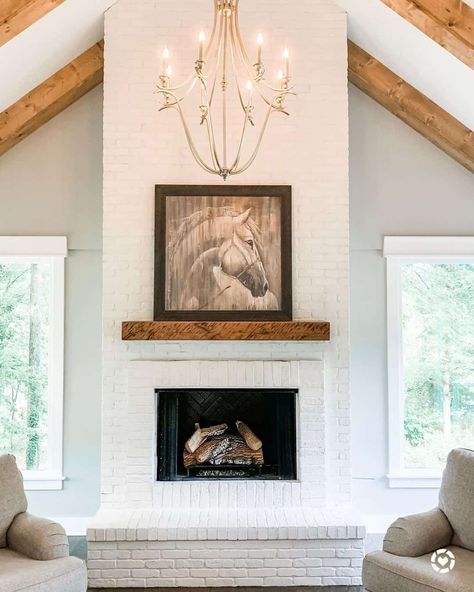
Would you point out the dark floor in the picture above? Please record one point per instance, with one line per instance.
(242, 589)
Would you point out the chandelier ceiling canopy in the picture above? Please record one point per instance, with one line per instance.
(226, 79)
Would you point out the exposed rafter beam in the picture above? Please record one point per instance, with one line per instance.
(411, 106)
(389, 90)
(448, 22)
(51, 97)
(18, 15)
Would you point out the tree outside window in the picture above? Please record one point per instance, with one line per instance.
(25, 292)
(438, 360)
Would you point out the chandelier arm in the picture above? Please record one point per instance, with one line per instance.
(188, 80)
(257, 147)
(191, 145)
(234, 49)
(214, 30)
(212, 151)
(210, 128)
(170, 92)
(224, 95)
(218, 56)
(250, 70)
(241, 145)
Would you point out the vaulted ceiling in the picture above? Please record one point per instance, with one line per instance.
(427, 49)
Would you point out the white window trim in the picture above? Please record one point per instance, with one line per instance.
(398, 250)
(53, 249)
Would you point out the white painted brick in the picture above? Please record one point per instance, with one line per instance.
(220, 582)
(175, 554)
(335, 562)
(321, 571)
(249, 581)
(307, 581)
(262, 572)
(291, 553)
(190, 582)
(278, 581)
(160, 564)
(159, 583)
(138, 153)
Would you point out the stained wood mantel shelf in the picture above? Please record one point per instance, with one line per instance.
(226, 331)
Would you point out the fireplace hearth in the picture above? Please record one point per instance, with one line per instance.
(226, 434)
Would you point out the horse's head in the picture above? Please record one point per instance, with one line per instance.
(241, 259)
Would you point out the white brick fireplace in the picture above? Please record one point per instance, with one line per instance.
(225, 533)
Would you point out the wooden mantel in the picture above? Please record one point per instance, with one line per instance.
(226, 331)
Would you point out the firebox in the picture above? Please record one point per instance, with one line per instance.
(226, 434)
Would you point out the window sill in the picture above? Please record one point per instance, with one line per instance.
(414, 481)
(39, 482)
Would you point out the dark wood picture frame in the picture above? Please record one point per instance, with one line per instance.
(162, 192)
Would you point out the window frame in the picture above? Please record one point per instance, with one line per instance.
(52, 249)
(397, 251)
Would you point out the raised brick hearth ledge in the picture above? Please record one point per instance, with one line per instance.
(209, 548)
(227, 525)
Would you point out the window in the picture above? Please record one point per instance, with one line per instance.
(32, 356)
(430, 319)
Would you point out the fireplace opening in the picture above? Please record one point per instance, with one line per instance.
(226, 434)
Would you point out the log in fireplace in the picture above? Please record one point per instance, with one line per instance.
(226, 434)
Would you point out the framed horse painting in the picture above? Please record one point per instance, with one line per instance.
(223, 253)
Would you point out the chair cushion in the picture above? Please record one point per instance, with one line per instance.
(384, 572)
(18, 574)
(456, 497)
(12, 495)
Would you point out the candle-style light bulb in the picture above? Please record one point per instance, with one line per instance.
(202, 39)
(286, 57)
(259, 48)
(166, 56)
(280, 77)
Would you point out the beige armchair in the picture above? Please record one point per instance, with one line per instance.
(407, 564)
(34, 552)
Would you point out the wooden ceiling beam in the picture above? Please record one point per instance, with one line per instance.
(411, 106)
(450, 23)
(51, 97)
(18, 15)
(372, 77)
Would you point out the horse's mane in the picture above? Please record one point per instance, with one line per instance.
(207, 215)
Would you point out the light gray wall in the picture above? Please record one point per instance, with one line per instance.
(400, 184)
(51, 184)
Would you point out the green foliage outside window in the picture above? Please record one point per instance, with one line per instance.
(438, 358)
(24, 333)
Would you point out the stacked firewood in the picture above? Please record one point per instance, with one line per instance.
(215, 447)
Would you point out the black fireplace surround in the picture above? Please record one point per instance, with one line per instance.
(270, 413)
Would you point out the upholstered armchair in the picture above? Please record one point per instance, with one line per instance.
(34, 552)
(409, 562)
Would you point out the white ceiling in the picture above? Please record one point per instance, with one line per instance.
(48, 45)
(75, 25)
(413, 56)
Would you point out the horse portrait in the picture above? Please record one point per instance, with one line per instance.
(223, 253)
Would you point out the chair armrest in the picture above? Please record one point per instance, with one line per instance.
(37, 538)
(418, 534)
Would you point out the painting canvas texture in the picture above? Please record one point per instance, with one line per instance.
(223, 253)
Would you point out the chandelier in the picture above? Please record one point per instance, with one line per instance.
(223, 66)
